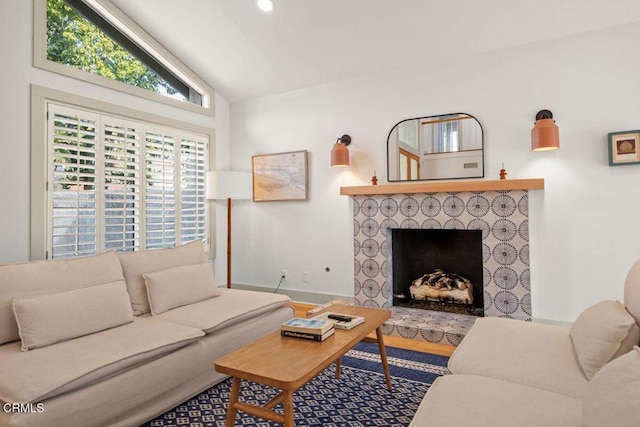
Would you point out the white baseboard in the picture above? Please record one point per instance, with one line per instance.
(551, 322)
(295, 295)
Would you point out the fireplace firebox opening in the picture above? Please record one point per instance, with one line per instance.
(436, 269)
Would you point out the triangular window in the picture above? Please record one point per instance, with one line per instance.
(90, 35)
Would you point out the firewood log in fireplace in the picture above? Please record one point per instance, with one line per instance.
(441, 286)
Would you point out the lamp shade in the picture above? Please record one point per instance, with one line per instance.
(339, 155)
(545, 135)
(340, 152)
(228, 184)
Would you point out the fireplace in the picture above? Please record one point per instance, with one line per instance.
(500, 216)
(497, 209)
(440, 270)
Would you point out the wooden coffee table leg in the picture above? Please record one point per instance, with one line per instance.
(288, 408)
(338, 367)
(233, 399)
(383, 356)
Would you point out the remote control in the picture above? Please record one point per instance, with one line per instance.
(340, 317)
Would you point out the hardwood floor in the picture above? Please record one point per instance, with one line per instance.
(390, 341)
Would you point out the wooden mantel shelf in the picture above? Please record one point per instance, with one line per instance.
(445, 186)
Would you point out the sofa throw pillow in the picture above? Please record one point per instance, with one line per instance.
(47, 319)
(135, 264)
(611, 398)
(180, 286)
(601, 333)
(33, 278)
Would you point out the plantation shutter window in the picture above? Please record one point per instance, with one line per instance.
(122, 184)
(73, 192)
(193, 220)
(160, 200)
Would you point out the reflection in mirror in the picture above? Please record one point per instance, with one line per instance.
(435, 147)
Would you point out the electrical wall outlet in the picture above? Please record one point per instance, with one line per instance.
(305, 276)
(283, 274)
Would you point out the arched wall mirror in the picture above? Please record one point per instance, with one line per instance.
(435, 147)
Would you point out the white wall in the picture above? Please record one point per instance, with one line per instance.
(584, 232)
(16, 76)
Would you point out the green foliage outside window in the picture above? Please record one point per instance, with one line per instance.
(74, 41)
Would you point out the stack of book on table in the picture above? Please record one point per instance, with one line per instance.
(308, 329)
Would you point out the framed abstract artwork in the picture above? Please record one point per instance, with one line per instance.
(624, 147)
(280, 176)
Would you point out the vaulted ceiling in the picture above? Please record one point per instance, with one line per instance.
(245, 53)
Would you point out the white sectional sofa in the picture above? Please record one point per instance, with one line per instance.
(117, 339)
(512, 373)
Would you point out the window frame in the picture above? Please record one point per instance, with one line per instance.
(408, 159)
(134, 32)
(40, 215)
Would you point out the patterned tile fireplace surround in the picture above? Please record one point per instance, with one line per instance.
(499, 208)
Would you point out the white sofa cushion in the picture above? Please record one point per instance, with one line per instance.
(135, 264)
(232, 307)
(601, 333)
(44, 277)
(533, 354)
(179, 286)
(46, 372)
(47, 319)
(612, 397)
(470, 400)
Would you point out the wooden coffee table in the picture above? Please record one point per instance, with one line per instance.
(289, 363)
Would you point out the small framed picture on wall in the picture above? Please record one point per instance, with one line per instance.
(624, 148)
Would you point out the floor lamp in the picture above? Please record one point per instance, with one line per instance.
(228, 185)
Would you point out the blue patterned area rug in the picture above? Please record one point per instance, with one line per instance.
(358, 398)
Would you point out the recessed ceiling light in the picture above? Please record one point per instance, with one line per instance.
(265, 5)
